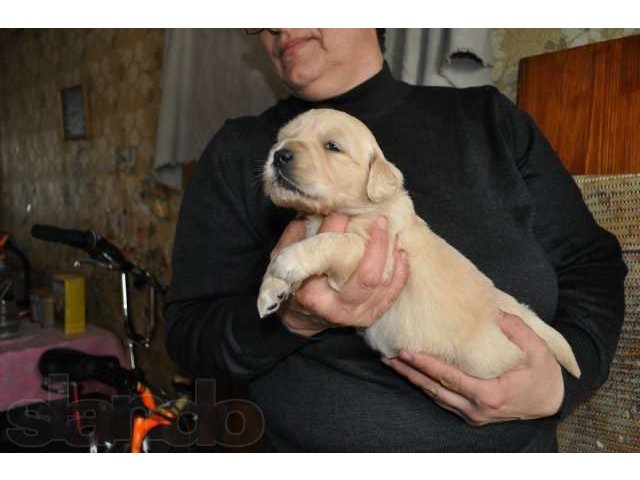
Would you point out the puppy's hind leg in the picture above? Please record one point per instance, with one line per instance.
(333, 254)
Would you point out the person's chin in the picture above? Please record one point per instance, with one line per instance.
(299, 84)
(300, 72)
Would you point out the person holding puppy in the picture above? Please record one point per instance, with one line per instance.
(483, 177)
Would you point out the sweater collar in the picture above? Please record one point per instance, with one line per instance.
(371, 98)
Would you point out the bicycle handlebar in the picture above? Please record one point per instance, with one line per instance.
(88, 240)
(75, 238)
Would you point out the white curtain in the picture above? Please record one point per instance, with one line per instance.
(208, 76)
(453, 57)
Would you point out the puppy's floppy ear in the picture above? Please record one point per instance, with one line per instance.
(384, 178)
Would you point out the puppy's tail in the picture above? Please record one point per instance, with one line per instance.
(558, 345)
(554, 339)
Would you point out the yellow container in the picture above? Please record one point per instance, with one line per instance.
(69, 302)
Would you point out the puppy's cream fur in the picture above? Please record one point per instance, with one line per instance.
(448, 308)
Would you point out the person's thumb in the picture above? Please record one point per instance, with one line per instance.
(294, 232)
(517, 331)
(335, 222)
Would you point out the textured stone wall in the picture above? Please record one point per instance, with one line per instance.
(102, 183)
(513, 44)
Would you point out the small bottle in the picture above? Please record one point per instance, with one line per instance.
(9, 320)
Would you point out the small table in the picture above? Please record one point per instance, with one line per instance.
(20, 380)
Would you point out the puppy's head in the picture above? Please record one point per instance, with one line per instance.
(328, 161)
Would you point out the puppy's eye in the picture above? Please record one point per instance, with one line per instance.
(332, 146)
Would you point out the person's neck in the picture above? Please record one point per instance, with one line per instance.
(331, 86)
(372, 97)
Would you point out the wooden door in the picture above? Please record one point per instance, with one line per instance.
(586, 100)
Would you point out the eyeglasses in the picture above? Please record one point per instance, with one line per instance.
(256, 31)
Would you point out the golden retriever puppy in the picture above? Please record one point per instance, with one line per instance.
(327, 161)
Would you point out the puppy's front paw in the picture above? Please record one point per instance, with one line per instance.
(273, 292)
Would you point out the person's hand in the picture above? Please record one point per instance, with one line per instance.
(363, 298)
(534, 390)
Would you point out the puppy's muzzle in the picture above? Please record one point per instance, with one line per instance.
(282, 169)
(282, 159)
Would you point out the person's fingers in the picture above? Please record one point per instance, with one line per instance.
(293, 305)
(334, 222)
(298, 309)
(450, 377)
(369, 271)
(415, 376)
(294, 232)
(300, 321)
(401, 270)
(388, 293)
(396, 253)
(441, 395)
(317, 296)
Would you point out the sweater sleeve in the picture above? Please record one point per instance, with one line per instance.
(212, 322)
(587, 259)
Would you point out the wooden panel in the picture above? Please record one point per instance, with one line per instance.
(586, 101)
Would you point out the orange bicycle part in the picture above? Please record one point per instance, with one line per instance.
(146, 397)
(143, 425)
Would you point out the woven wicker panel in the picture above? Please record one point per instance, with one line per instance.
(610, 420)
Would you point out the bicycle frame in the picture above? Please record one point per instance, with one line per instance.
(105, 255)
(133, 338)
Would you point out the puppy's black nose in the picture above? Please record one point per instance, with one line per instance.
(282, 157)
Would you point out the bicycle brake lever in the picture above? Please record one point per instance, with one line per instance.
(93, 262)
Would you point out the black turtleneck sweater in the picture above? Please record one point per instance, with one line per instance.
(483, 177)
